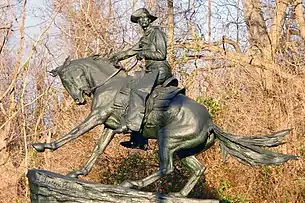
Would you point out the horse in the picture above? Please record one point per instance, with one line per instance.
(184, 129)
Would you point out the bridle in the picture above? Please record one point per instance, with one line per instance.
(114, 74)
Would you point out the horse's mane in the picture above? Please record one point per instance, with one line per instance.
(105, 65)
(98, 62)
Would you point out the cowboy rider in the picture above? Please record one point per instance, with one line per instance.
(153, 48)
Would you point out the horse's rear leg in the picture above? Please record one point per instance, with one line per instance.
(197, 168)
(166, 165)
(100, 147)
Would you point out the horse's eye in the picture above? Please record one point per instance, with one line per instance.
(83, 77)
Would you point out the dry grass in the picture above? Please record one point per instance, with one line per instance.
(247, 109)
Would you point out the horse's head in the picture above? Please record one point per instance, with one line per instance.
(73, 79)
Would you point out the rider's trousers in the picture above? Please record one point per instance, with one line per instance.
(139, 94)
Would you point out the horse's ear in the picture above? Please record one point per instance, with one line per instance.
(60, 68)
(53, 72)
(67, 62)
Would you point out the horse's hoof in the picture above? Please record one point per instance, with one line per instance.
(39, 147)
(74, 174)
(126, 184)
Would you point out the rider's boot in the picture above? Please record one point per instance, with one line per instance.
(132, 123)
(123, 128)
(136, 141)
(136, 110)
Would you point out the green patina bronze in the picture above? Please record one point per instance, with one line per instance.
(182, 126)
(152, 107)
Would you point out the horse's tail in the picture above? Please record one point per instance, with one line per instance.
(249, 150)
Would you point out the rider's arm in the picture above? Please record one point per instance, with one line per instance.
(160, 42)
(129, 52)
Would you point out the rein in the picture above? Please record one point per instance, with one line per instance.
(112, 75)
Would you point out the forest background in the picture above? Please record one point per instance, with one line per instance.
(243, 59)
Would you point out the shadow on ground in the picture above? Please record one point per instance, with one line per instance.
(136, 167)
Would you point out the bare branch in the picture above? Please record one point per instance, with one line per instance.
(8, 29)
(25, 105)
(2, 109)
(229, 41)
(18, 67)
(19, 51)
(299, 14)
(195, 44)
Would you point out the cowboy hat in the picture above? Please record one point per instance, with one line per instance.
(141, 12)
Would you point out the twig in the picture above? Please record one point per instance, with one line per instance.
(5, 37)
(16, 112)
(2, 109)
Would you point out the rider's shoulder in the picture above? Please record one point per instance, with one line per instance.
(158, 29)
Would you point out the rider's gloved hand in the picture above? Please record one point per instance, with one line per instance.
(114, 59)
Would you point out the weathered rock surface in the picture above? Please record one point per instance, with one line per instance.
(51, 187)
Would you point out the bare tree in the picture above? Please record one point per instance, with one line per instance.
(299, 16)
(170, 28)
(210, 21)
(245, 58)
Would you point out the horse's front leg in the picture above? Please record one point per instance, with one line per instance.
(100, 147)
(95, 118)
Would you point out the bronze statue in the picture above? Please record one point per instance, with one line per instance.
(182, 126)
(151, 107)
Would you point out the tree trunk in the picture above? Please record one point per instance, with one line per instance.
(276, 27)
(299, 17)
(150, 5)
(210, 21)
(134, 2)
(17, 65)
(170, 27)
(258, 37)
(257, 30)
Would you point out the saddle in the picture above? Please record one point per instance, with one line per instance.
(159, 99)
(170, 82)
